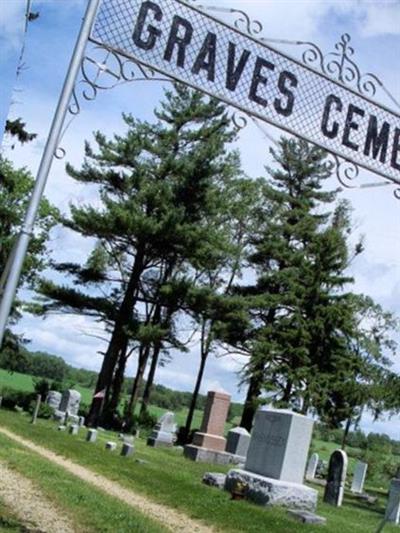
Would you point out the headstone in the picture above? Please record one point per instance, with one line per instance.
(62, 428)
(312, 467)
(164, 433)
(209, 443)
(70, 401)
(36, 409)
(279, 445)
(54, 399)
(81, 421)
(73, 418)
(276, 461)
(334, 490)
(127, 449)
(237, 442)
(360, 472)
(214, 479)
(91, 435)
(59, 416)
(393, 506)
(111, 446)
(74, 429)
(305, 517)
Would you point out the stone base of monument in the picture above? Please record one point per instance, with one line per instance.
(306, 517)
(267, 491)
(205, 455)
(160, 439)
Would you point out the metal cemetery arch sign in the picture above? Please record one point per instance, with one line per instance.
(190, 46)
(330, 105)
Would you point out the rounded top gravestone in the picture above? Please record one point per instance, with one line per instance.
(337, 471)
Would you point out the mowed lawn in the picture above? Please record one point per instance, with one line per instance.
(165, 476)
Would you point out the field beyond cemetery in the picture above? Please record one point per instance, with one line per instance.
(161, 476)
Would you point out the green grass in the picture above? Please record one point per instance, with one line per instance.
(167, 477)
(90, 509)
(25, 382)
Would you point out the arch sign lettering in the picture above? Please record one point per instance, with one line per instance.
(188, 45)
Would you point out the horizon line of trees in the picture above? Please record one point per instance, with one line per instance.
(187, 246)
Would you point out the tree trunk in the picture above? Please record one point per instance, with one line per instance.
(142, 362)
(250, 406)
(192, 407)
(118, 337)
(150, 380)
(117, 383)
(346, 432)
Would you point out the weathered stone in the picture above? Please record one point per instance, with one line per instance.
(334, 490)
(141, 462)
(306, 517)
(62, 428)
(312, 467)
(237, 442)
(74, 419)
(393, 506)
(111, 446)
(367, 498)
(267, 491)
(214, 479)
(60, 416)
(164, 433)
(81, 421)
(204, 455)
(127, 449)
(73, 429)
(70, 401)
(54, 399)
(91, 435)
(210, 436)
(279, 445)
(359, 475)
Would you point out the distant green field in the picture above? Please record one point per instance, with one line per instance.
(24, 382)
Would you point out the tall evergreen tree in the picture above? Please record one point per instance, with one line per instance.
(159, 185)
(299, 259)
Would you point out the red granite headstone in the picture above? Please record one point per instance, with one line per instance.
(211, 432)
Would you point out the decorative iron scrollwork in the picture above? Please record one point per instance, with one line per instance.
(340, 66)
(242, 21)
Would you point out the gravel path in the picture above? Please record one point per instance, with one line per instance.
(173, 520)
(30, 505)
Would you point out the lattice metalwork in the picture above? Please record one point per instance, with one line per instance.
(114, 59)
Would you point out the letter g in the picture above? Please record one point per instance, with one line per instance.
(152, 32)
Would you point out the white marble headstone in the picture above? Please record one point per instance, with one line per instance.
(312, 466)
(360, 472)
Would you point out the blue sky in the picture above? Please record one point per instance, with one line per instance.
(375, 30)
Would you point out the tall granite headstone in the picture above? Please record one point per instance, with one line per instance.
(359, 475)
(276, 461)
(337, 470)
(312, 467)
(164, 433)
(209, 443)
(393, 506)
(237, 442)
(70, 401)
(54, 399)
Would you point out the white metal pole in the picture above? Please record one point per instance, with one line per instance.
(45, 165)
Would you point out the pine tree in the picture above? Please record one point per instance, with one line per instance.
(299, 259)
(159, 186)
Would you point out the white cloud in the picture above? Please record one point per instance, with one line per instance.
(12, 20)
